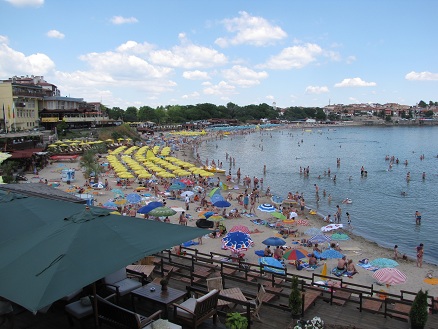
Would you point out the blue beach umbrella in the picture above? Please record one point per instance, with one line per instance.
(266, 207)
(133, 198)
(216, 197)
(331, 254)
(118, 191)
(150, 206)
(110, 205)
(270, 264)
(222, 204)
(274, 241)
(277, 199)
(237, 241)
(177, 186)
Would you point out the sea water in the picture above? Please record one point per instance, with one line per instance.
(383, 203)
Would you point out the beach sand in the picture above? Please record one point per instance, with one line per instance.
(356, 248)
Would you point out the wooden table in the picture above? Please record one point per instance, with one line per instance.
(145, 270)
(157, 296)
(234, 293)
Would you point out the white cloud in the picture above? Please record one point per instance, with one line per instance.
(26, 3)
(270, 97)
(294, 57)
(196, 75)
(355, 82)
(134, 47)
(222, 89)
(192, 95)
(55, 34)
(124, 66)
(4, 39)
(422, 76)
(188, 56)
(17, 63)
(250, 30)
(350, 59)
(316, 90)
(243, 76)
(118, 20)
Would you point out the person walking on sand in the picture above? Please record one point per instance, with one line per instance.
(420, 253)
(338, 214)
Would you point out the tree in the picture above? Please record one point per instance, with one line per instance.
(146, 113)
(116, 113)
(131, 114)
(295, 298)
(91, 165)
(418, 313)
(422, 104)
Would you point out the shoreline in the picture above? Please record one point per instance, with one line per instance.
(356, 248)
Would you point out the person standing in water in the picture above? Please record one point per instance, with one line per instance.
(417, 217)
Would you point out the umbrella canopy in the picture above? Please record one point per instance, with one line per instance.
(331, 254)
(278, 215)
(240, 228)
(383, 262)
(274, 241)
(266, 207)
(215, 218)
(51, 248)
(331, 227)
(320, 238)
(237, 241)
(340, 236)
(110, 205)
(216, 197)
(214, 191)
(98, 186)
(177, 186)
(389, 276)
(270, 264)
(222, 204)
(187, 181)
(162, 212)
(206, 214)
(118, 191)
(187, 193)
(150, 206)
(133, 198)
(295, 254)
(276, 199)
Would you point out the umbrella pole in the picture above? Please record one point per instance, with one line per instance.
(96, 316)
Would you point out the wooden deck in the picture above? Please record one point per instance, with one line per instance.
(274, 312)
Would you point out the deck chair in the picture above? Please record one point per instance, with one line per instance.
(215, 283)
(257, 302)
(119, 283)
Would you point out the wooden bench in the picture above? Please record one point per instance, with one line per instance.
(309, 298)
(119, 317)
(372, 304)
(404, 310)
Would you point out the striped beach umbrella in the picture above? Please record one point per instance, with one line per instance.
(320, 238)
(240, 228)
(266, 207)
(389, 276)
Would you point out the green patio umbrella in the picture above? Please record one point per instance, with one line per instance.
(162, 212)
(71, 246)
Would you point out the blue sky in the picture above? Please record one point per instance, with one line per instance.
(293, 53)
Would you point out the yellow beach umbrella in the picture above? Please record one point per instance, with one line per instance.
(120, 202)
(324, 270)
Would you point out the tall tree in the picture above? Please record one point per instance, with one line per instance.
(131, 114)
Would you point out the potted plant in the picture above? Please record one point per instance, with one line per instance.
(295, 299)
(236, 320)
(164, 282)
(418, 313)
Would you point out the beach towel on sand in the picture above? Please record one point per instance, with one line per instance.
(337, 271)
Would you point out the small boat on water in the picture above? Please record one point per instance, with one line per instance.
(214, 169)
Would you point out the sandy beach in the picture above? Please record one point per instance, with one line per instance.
(356, 248)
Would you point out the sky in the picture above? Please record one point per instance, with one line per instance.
(283, 53)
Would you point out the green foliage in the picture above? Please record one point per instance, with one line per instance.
(91, 165)
(428, 114)
(422, 104)
(418, 314)
(236, 320)
(295, 298)
(7, 169)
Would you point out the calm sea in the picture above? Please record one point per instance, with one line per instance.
(384, 202)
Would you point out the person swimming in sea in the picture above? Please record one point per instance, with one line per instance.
(417, 217)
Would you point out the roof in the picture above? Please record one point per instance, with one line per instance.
(42, 191)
